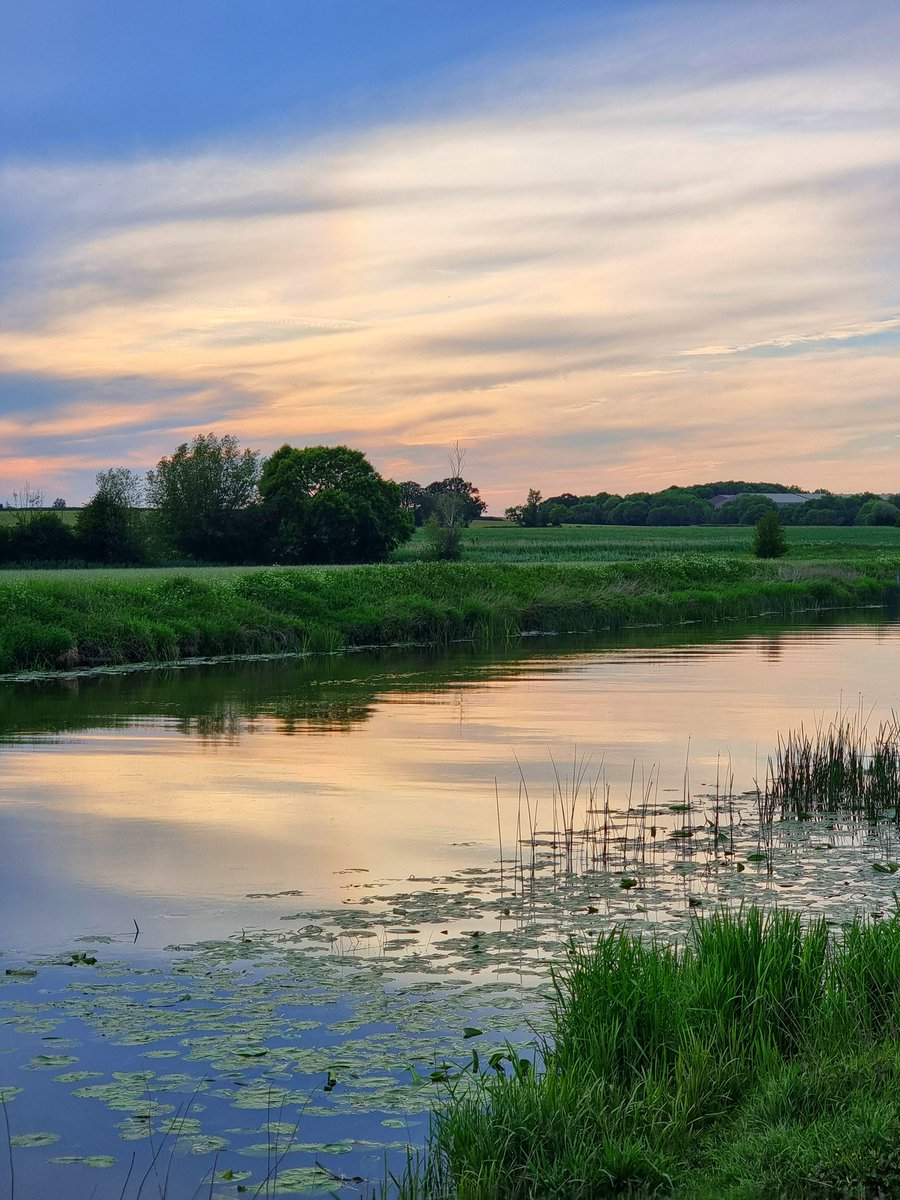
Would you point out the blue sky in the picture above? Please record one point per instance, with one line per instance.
(604, 246)
(109, 77)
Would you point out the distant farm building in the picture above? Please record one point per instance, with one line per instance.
(782, 499)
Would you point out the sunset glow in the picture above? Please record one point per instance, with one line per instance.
(660, 248)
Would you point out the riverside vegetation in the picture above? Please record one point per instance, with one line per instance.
(760, 1059)
(59, 620)
(761, 1062)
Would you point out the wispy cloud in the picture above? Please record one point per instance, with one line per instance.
(639, 221)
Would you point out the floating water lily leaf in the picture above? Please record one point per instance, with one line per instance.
(31, 1140)
(300, 1180)
(99, 1161)
(470, 1031)
(20, 972)
(46, 1062)
(888, 868)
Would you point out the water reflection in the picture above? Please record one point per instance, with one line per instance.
(168, 796)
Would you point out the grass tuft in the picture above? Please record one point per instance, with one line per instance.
(761, 1060)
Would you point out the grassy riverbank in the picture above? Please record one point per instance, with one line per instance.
(58, 620)
(760, 1063)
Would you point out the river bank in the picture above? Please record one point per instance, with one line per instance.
(64, 620)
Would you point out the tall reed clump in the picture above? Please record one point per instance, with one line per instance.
(762, 1060)
(839, 768)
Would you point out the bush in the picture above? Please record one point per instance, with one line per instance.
(768, 539)
(443, 543)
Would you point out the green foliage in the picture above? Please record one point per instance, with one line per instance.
(40, 537)
(203, 495)
(108, 529)
(761, 1059)
(328, 504)
(768, 538)
(122, 616)
(455, 501)
(878, 512)
(442, 543)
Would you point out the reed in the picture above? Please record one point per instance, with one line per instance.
(838, 767)
(761, 1059)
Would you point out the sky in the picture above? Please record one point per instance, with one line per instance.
(602, 246)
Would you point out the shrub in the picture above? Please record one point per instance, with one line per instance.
(768, 539)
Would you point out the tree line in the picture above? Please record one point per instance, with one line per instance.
(692, 506)
(214, 501)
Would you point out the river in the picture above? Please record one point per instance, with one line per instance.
(226, 885)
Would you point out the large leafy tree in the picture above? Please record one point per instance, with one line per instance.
(204, 495)
(329, 505)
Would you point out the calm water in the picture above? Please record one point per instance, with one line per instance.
(167, 797)
(260, 796)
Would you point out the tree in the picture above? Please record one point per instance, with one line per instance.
(42, 537)
(328, 504)
(201, 494)
(443, 543)
(58, 503)
(878, 512)
(121, 484)
(746, 510)
(107, 528)
(532, 515)
(768, 537)
(455, 500)
(27, 502)
(417, 501)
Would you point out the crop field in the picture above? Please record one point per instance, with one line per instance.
(9, 516)
(503, 543)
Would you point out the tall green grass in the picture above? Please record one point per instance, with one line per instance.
(762, 1060)
(59, 620)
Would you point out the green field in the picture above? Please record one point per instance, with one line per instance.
(504, 543)
(9, 516)
(500, 542)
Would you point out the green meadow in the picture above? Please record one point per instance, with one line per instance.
(500, 541)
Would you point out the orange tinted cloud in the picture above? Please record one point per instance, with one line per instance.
(600, 280)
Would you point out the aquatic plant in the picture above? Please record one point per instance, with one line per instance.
(839, 767)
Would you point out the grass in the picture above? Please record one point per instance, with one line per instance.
(762, 1060)
(65, 619)
(11, 516)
